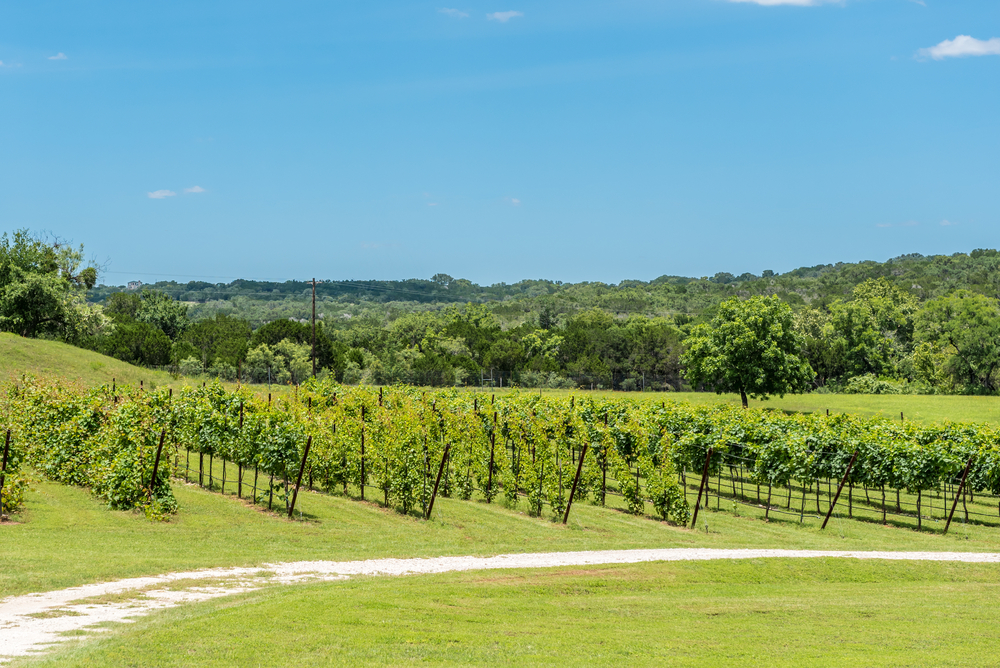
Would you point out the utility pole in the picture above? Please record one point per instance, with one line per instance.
(314, 326)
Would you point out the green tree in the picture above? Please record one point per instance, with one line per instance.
(966, 325)
(41, 285)
(751, 347)
(137, 343)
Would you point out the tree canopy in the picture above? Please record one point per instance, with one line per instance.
(751, 348)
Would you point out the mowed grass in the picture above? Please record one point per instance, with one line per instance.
(65, 537)
(811, 612)
(52, 358)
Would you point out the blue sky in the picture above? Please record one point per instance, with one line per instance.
(500, 140)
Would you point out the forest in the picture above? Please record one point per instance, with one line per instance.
(912, 324)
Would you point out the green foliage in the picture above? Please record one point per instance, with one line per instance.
(41, 286)
(751, 348)
(96, 439)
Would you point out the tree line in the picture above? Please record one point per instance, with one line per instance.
(862, 330)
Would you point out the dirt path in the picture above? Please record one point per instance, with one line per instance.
(33, 622)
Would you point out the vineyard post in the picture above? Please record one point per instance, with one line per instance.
(314, 327)
(961, 485)
(156, 462)
(239, 466)
(298, 481)
(493, 442)
(576, 481)
(701, 487)
(3, 469)
(604, 465)
(840, 487)
(444, 458)
(362, 453)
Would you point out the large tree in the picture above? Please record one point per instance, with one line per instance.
(965, 325)
(751, 347)
(41, 285)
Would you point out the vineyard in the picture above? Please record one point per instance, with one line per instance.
(402, 447)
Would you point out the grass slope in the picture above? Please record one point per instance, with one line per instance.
(766, 612)
(53, 358)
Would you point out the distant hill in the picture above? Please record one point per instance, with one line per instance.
(259, 301)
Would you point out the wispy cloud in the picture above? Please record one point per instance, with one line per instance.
(961, 47)
(432, 204)
(59, 56)
(454, 13)
(160, 194)
(194, 189)
(947, 223)
(503, 17)
(919, 2)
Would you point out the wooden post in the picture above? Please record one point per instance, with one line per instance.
(840, 487)
(444, 458)
(298, 481)
(362, 453)
(958, 493)
(493, 442)
(3, 469)
(576, 481)
(314, 327)
(156, 462)
(239, 467)
(701, 488)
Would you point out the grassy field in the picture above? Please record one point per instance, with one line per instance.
(65, 537)
(820, 612)
(772, 612)
(19, 355)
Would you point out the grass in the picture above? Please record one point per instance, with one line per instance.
(52, 358)
(816, 612)
(65, 537)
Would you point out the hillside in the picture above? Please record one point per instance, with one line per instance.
(43, 357)
(925, 277)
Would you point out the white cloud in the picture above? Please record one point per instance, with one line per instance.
(947, 223)
(160, 194)
(962, 46)
(454, 13)
(503, 17)
(194, 189)
(59, 56)
(432, 204)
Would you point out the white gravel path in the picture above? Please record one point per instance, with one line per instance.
(33, 622)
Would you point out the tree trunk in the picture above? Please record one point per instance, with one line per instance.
(743, 396)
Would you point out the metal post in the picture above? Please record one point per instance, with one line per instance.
(444, 458)
(576, 481)
(701, 487)
(961, 485)
(156, 463)
(839, 488)
(298, 481)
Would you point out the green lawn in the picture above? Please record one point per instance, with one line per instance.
(820, 612)
(65, 537)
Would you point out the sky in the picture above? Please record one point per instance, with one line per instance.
(499, 140)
